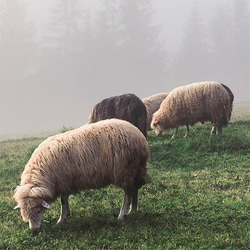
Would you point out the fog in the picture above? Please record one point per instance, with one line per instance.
(58, 58)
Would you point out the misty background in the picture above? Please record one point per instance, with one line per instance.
(58, 58)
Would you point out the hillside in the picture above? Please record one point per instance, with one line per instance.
(241, 111)
(196, 196)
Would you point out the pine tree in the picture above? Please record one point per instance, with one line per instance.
(221, 46)
(106, 45)
(16, 40)
(241, 47)
(191, 62)
(141, 56)
(241, 33)
(64, 41)
(17, 55)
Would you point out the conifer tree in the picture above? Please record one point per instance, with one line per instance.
(142, 57)
(63, 44)
(241, 47)
(221, 44)
(16, 40)
(191, 60)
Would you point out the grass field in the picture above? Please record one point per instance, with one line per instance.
(196, 197)
(241, 111)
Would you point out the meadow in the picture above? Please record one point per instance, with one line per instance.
(196, 197)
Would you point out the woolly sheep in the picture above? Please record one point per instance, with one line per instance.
(197, 102)
(152, 104)
(92, 156)
(126, 107)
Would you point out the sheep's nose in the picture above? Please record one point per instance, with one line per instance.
(33, 226)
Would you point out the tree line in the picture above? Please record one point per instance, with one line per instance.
(120, 46)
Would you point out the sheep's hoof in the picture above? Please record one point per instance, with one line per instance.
(122, 217)
(61, 220)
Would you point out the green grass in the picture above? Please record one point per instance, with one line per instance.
(196, 197)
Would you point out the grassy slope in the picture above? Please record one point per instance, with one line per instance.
(197, 196)
(241, 111)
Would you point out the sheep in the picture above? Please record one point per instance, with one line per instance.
(197, 102)
(127, 107)
(152, 104)
(93, 156)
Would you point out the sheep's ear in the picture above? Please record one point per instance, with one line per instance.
(16, 207)
(46, 205)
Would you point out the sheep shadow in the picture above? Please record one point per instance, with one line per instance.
(100, 222)
(96, 225)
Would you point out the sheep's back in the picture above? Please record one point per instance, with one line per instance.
(126, 107)
(93, 156)
(153, 102)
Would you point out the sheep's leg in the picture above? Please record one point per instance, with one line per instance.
(126, 204)
(135, 200)
(175, 133)
(213, 131)
(64, 209)
(219, 130)
(187, 132)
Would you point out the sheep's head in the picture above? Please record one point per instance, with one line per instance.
(160, 122)
(32, 208)
(156, 126)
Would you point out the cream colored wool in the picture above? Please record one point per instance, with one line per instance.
(92, 156)
(197, 102)
(152, 104)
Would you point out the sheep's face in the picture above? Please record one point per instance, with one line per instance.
(32, 210)
(156, 126)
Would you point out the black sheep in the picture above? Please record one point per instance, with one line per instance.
(126, 107)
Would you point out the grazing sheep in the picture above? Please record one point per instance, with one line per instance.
(152, 104)
(126, 107)
(92, 156)
(197, 102)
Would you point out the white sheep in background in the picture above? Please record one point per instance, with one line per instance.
(197, 102)
(92, 156)
(152, 104)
